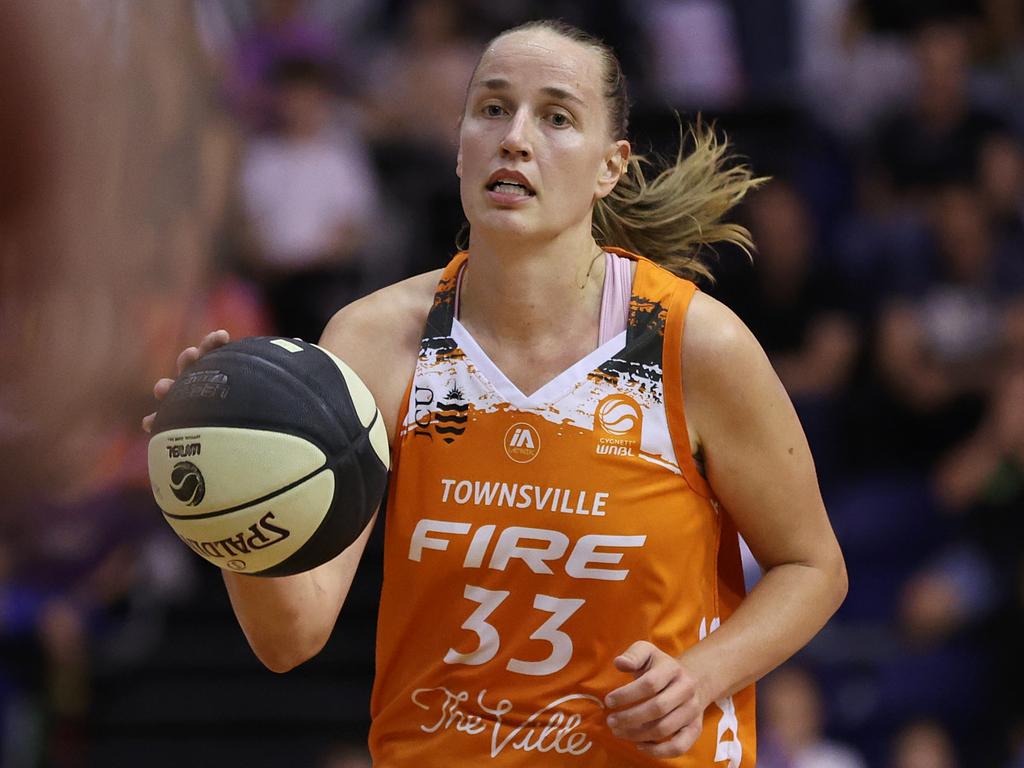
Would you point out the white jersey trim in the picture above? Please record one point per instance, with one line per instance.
(555, 389)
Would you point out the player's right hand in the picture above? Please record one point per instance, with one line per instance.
(188, 356)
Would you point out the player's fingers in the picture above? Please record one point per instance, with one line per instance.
(650, 683)
(661, 728)
(679, 693)
(186, 358)
(162, 387)
(678, 745)
(637, 658)
(213, 340)
(147, 422)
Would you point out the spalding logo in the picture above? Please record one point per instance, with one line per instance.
(618, 415)
(187, 483)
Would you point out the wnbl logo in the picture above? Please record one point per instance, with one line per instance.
(618, 425)
(181, 451)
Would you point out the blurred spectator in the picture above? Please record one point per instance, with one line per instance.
(1001, 182)
(309, 194)
(419, 80)
(999, 57)
(71, 566)
(792, 725)
(796, 307)
(283, 30)
(694, 52)
(987, 469)
(939, 348)
(954, 590)
(850, 75)
(923, 744)
(945, 611)
(981, 482)
(938, 139)
(793, 305)
(767, 33)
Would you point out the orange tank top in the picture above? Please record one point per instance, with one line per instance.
(531, 539)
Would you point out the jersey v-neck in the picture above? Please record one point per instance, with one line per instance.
(611, 317)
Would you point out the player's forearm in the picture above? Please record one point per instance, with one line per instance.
(286, 620)
(784, 611)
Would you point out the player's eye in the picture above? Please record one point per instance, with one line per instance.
(493, 110)
(560, 119)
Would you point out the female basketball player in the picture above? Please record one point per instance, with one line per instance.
(578, 436)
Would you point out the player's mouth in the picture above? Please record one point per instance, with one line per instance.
(507, 186)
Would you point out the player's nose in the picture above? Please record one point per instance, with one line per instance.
(516, 141)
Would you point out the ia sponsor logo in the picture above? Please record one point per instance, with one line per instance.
(618, 424)
(522, 443)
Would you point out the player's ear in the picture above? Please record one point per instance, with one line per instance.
(458, 162)
(615, 162)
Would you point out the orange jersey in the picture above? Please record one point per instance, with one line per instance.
(531, 539)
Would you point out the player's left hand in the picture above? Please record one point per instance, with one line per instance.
(662, 710)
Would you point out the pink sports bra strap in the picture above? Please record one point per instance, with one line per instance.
(615, 300)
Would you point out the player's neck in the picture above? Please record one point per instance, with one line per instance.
(527, 294)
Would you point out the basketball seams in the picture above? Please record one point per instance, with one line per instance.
(322, 401)
(353, 382)
(213, 419)
(331, 463)
(303, 558)
(333, 521)
(293, 398)
(239, 507)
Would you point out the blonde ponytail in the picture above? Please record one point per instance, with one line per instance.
(674, 217)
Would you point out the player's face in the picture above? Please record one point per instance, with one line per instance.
(534, 147)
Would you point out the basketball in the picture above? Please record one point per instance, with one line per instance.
(268, 456)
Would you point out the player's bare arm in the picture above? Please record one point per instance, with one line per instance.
(288, 620)
(761, 471)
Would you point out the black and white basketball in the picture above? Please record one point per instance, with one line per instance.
(268, 456)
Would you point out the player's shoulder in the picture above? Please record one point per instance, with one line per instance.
(724, 367)
(391, 316)
(713, 330)
(379, 336)
(721, 357)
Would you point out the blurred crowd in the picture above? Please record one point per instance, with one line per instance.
(294, 155)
